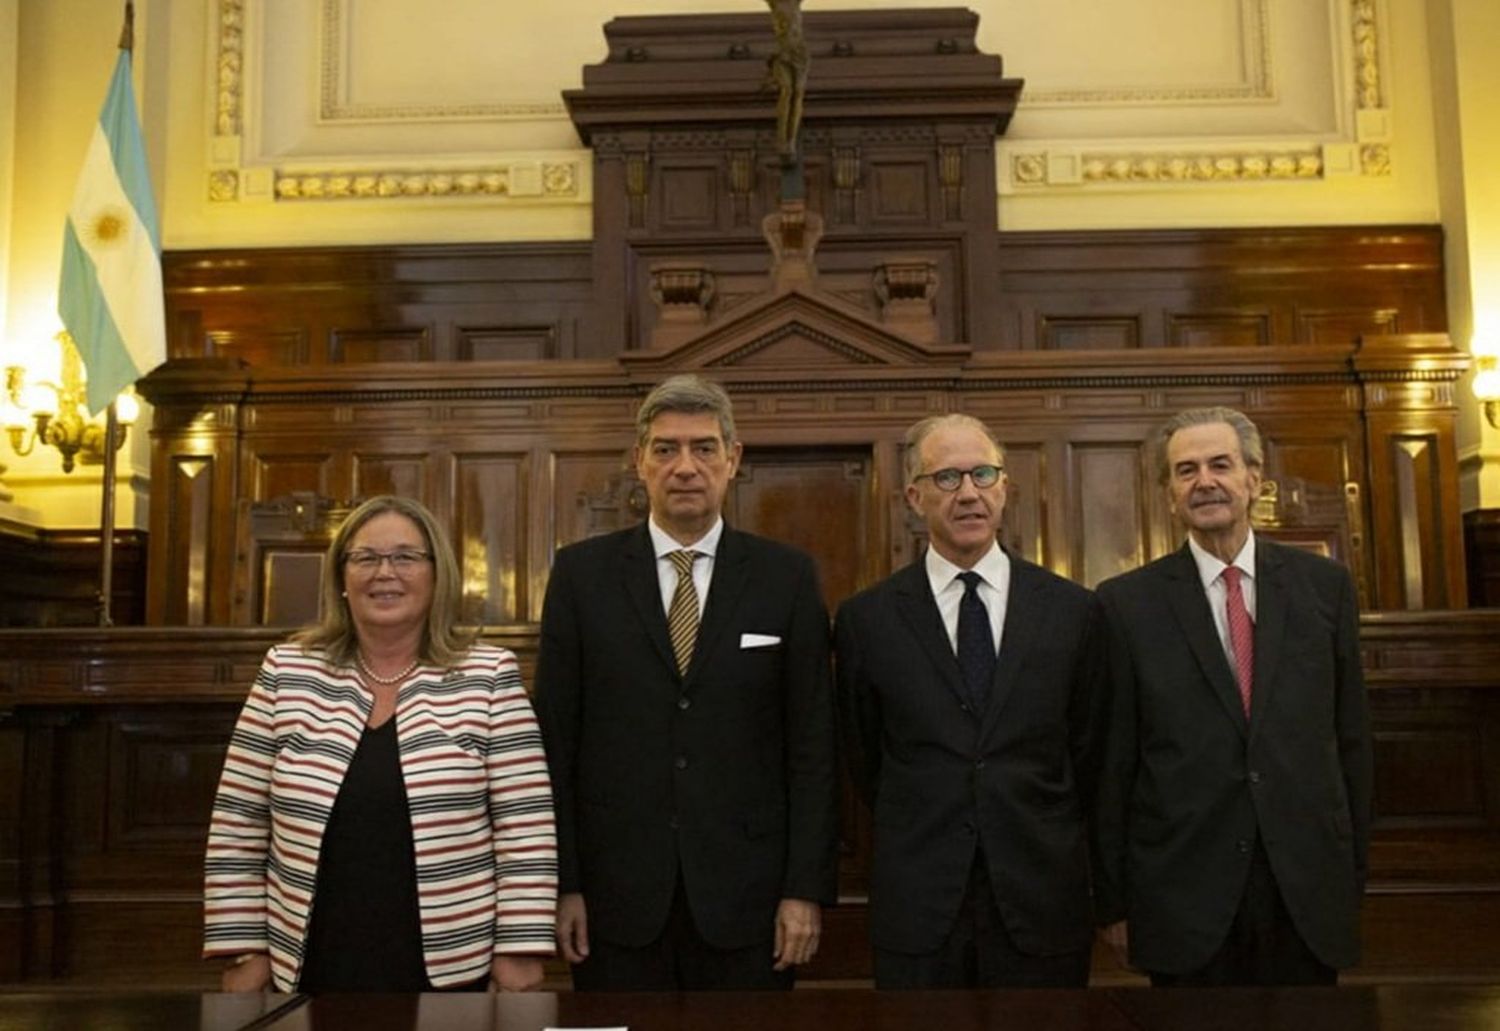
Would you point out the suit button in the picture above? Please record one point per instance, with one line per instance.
(1254, 776)
(979, 764)
(964, 706)
(681, 762)
(684, 702)
(672, 823)
(968, 827)
(1242, 846)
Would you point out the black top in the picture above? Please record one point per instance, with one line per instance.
(365, 933)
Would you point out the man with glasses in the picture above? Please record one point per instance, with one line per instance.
(970, 684)
(685, 700)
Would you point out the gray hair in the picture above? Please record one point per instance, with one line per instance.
(1250, 444)
(920, 431)
(443, 644)
(690, 394)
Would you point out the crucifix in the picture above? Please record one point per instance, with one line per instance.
(786, 70)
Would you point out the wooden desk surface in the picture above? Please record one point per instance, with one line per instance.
(1386, 1008)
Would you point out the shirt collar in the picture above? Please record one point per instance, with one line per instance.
(664, 544)
(1211, 567)
(994, 567)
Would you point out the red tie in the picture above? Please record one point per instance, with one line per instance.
(1241, 634)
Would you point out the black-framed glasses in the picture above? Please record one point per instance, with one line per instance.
(403, 562)
(950, 479)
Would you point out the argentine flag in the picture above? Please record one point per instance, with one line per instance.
(110, 295)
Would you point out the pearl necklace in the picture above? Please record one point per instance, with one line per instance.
(359, 660)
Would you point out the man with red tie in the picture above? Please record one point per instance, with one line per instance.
(1234, 808)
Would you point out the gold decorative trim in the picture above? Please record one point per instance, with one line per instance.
(560, 179)
(1030, 169)
(333, 106)
(1366, 55)
(1259, 84)
(229, 77)
(555, 181)
(1239, 166)
(224, 185)
(1375, 159)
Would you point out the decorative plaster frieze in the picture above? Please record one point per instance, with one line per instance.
(1366, 55)
(1238, 166)
(229, 76)
(550, 181)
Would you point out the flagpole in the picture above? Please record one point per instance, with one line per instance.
(111, 430)
(107, 521)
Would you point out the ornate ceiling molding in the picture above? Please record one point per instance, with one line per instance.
(530, 179)
(1185, 167)
(1027, 168)
(550, 180)
(1366, 150)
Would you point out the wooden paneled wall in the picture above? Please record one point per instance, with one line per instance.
(111, 745)
(520, 459)
(52, 577)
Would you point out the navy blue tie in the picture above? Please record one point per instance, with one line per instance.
(976, 644)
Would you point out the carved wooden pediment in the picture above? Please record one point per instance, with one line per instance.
(794, 331)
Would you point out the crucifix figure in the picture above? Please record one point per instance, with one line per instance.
(786, 69)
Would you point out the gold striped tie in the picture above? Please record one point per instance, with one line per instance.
(682, 616)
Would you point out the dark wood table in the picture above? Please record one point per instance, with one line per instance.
(1387, 1008)
(140, 1011)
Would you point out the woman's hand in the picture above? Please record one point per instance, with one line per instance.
(251, 975)
(515, 973)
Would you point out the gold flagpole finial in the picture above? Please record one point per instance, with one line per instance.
(127, 32)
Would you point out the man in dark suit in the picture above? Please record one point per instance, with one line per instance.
(1235, 809)
(692, 759)
(980, 766)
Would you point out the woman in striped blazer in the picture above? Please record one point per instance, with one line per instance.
(384, 818)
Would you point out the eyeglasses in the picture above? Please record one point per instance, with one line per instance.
(950, 479)
(403, 563)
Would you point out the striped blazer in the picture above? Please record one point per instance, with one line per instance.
(477, 789)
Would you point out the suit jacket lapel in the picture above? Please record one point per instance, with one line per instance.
(1023, 623)
(1272, 600)
(731, 573)
(643, 585)
(918, 608)
(1190, 606)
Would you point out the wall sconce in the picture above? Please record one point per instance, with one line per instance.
(1487, 386)
(56, 414)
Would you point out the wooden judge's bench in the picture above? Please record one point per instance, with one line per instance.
(498, 384)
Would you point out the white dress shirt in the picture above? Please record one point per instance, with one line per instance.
(1211, 572)
(703, 567)
(948, 590)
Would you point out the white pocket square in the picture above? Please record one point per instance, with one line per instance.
(759, 640)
